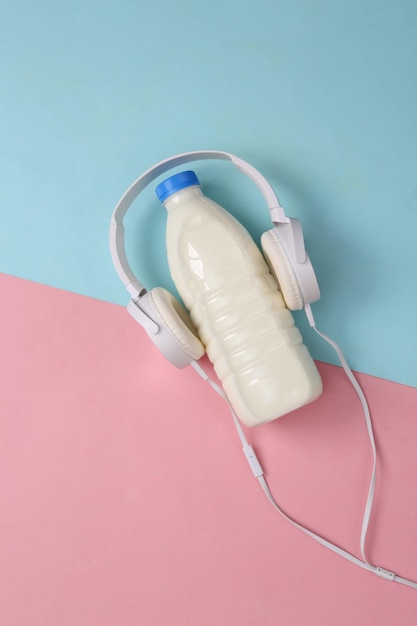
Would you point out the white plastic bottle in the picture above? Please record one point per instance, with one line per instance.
(249, 335)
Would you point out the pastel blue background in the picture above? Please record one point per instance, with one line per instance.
(320, 95)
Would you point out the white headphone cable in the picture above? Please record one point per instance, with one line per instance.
(367, 414)
(258, 472)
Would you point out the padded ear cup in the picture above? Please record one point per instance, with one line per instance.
(177, 322)
(282, 270)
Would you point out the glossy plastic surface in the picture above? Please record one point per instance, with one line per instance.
(234, 302)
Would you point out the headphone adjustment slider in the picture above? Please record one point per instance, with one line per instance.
(142, 318)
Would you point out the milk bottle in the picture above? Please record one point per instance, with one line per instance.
(249, 335)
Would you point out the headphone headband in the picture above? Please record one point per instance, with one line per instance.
(117, 240)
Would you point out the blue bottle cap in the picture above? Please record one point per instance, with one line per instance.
(175, 183)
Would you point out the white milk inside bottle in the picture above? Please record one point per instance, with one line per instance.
(249, 335)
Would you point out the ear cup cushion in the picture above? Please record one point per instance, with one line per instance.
(177, 322)
(282, 270)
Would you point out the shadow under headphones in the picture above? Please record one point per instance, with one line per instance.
(171, 329)
(163, 317)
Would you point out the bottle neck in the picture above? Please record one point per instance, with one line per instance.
(181, 196)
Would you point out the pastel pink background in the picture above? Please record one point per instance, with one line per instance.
(125, 497)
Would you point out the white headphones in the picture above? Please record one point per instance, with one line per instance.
(170, 327)
(164, 318)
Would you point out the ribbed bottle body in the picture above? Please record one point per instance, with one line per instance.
(250, 337)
